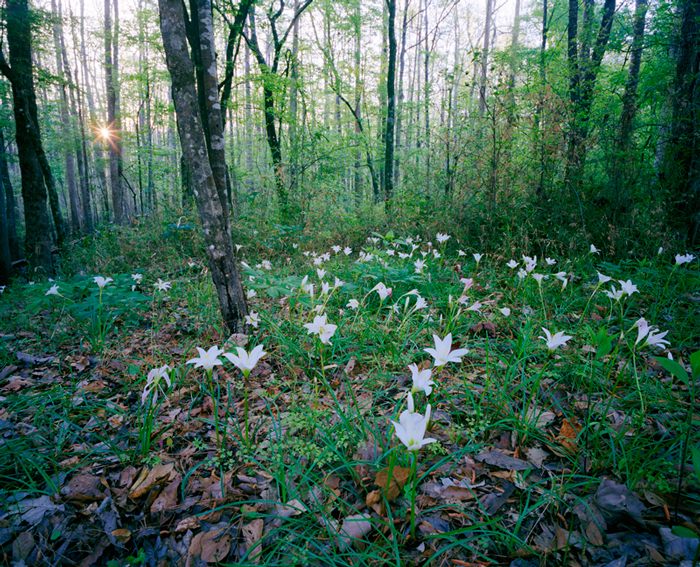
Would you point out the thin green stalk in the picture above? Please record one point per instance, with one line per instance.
(414, 474)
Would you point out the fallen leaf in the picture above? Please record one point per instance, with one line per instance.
(154, 477)
(354, 527)
(457, 494)
(34, 509)
(215, 547)
(497, 459)
(615, 499)
(252, 532)
(190, 523)
(167, 500)
(121, 534)
(22, 546)
(593, 534)
(399, 477)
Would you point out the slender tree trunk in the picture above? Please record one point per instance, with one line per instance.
(5, 254)
(99, 161)
(10, 207)
(357, 23)
(67, 129)
(390, 107)
(426, 96)
(485, 56)
(118, 204)
(294, 104)
(219, 246)
(514, 45)
(248, 122)
(623, 159)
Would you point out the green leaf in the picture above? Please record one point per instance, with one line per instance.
(680, 531)
(55, 535)
(695, 364)
(674, 368)
(696, 461)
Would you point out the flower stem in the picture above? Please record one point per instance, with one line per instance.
(414, 474)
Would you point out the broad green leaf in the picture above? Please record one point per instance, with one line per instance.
(674, 368)
(680, 531)
(695, 364)
(696, 461)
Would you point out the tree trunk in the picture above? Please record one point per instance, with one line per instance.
(5, 254)
(581, 83)
(10, 207)
(211, 110)
(20, 73)
(66, 127)
(623, 159)
(99, 155)
(485, 56)
(390, 107)
(219, 246)
(357, 24)
(118, 204)
(681, 172)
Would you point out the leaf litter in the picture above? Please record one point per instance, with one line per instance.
(184, 507)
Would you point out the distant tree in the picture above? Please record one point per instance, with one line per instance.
(269, 68)
(113, 118)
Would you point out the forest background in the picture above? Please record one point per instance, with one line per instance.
(569, 123)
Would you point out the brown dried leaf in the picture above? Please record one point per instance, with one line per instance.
(167, 500)
(457, 494)
(121, 534)
(399, 477)
(252, 533)
(215, 547)
(83, 488)
(593, 534)
(154, 477)
(190, 523)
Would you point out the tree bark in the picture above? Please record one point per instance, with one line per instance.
(269, 80)
(681, 162)
(20, 74)
(581, 83)
(390, 107)
(622, 159)
(219, 246)
(10, 207)
(66, 127)
(485, 56)
(115, 159)
(5, 254)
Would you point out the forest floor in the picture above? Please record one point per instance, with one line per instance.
(118, 446)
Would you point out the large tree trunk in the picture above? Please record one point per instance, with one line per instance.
(390, 107)
(219, 246)
(210, 108)
(681, 162)
(19, 72)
